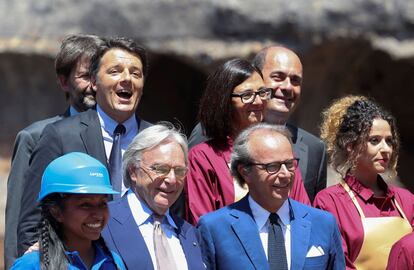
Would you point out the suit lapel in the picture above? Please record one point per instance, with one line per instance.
(129, 241)
(186, 243)
(300, 235)
(245, 229)
(300, 149)
(91, 136)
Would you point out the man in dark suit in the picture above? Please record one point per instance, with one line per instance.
(117, 77)
(282, 71)
(155, 165)
(266, 229)
(72, 70)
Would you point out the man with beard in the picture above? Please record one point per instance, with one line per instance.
(72, 70)
(117, 77)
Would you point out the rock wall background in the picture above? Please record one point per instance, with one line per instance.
(358, 46)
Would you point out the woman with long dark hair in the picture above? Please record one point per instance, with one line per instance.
(73, 198)
(234, 99)
(372, 215)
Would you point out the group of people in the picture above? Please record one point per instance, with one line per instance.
(99, 188)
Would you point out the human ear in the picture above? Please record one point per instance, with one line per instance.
(63, 82)
(243, 171)
(56, 213)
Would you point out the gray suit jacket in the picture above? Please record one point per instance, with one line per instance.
(25, 142)
(308, 148)
(80, 133)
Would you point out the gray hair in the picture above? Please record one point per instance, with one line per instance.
(241, 154)
(147, 139)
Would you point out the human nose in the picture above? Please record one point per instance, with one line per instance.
(385, 147)
(284, 170)
(257, 99)
(171, 177)
(126, 76)
(287, 84)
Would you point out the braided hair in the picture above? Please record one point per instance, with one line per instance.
(51, 247)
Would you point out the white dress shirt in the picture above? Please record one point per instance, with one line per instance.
(108, 126)
(261, 216)
(142, 216)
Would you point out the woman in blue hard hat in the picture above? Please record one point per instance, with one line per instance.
(73, 198)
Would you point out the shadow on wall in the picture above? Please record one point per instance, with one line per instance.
(172, 91)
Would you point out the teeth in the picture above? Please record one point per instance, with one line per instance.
(94, 226)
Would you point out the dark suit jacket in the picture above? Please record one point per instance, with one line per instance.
(25, 142)
(123, 236)
(307, 147)
(231, 240)
(80, 133)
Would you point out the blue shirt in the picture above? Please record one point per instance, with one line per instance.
(103, 261)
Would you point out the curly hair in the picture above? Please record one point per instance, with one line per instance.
(332, 118)
(352, 131)
(215, 111)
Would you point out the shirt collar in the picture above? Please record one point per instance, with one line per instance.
(261, 215)
(109, 125)
(76, 260)
(364, 192)
(73, 111)
(144, 213)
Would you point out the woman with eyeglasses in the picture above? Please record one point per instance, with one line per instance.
(234, 98)
(372, 215)
(73, 198)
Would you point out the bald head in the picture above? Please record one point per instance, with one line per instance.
(282, 71)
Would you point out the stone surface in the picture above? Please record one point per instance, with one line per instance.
(357, 46)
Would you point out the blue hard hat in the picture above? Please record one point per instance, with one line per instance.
(75, 173)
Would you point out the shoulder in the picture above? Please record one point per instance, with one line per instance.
(314, 214)
(35, 129)
(216, 217)
(28, 261)
(332, 193)
(38, 126)
(401, 192)
(86, 117)
(309, 138)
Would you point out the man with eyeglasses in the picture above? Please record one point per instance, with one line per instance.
(266, 229)
(141, 228)
(283, 73)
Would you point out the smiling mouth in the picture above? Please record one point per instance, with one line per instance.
(281, 186)
(284, 98)
(124, 94)
(94, 225)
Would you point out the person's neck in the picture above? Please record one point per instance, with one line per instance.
(275, 119)
(85, 249)
(369, 180)
(271, 207)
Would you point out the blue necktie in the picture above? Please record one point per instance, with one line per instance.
(276, 251)
(115, 160)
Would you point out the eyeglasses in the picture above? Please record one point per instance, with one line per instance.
(164, 169)
(249, 96)
(274, 167)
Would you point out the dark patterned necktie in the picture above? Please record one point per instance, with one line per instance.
(115, 160)
(276, 251)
